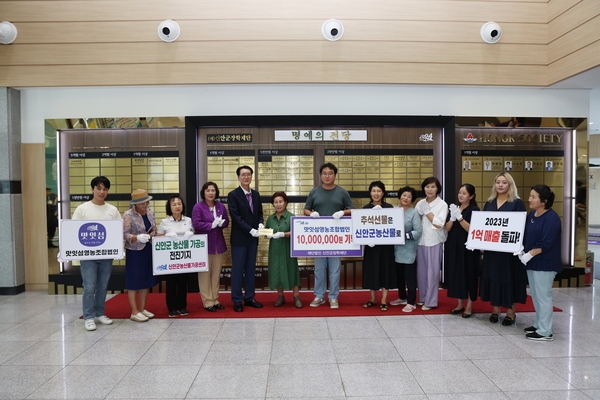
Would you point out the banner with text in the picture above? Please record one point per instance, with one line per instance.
(383, 226)
(497, 231)
(323, 237)
(179, 255)
(90, 240)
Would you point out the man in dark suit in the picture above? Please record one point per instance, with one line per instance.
(246, 214)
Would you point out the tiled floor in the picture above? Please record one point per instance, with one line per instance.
(45, 353)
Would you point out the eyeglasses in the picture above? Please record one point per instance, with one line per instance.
(328, 173)
(245, 175)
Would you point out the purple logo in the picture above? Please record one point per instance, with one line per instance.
(92, 234)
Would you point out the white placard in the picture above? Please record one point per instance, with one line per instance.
(323, 237)
(384, 226)
(90, 240)
(179, 256)
(496, 231)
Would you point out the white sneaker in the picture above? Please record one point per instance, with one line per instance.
(139, 317)
(334, 303)
(397, 302)
(409, 308)
(425, 308)
(148, 314)
(317, 302)
(90, 325)
(104, 320)
(420, 303)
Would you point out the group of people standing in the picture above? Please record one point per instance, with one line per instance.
(435, 233)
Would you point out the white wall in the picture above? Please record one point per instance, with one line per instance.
(177, 101)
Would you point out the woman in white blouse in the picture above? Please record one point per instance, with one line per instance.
(176, 226)
(430, 250)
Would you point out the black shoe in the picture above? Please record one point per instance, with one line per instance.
(494, 318)
(455, 312)
(530, 329)
(238, 308)
(538, 337)
(211, 309)
(172, 314)
(183, 311)
(508, 321)
(219, 306)
(253, 303)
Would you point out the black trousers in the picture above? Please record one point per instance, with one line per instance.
(409, 275)
(177, 288)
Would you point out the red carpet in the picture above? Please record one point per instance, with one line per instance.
(350, 306)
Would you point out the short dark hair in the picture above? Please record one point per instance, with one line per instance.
(432, 179)
(100, 180)
(546, 195)
(168, 206)
(378, 184)
(206, 185)
(413, 192)
(330, 166)
(279, 194)
(237, 171)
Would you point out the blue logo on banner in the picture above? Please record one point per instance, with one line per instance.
(92, 234)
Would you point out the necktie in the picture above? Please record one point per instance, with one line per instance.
(249, 197)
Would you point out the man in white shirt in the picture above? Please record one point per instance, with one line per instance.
(96, 273)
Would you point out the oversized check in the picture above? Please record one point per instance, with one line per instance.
(179, 255)
(497, 231)
(323, 237)
(382, 226)
(90, 240)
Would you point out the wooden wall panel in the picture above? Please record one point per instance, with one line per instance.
(578, 61)
(275, 30)
(98, 43)
(140, 10)
(34, 195)
(240, 52)
(576, 39)
(572, 18)
(296, 72)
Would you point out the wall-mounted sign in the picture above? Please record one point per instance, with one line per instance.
(321, 135)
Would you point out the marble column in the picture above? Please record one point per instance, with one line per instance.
(12, 266)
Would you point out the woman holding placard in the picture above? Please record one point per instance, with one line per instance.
(503, 280)
(461, 265)
(430, 251)
(176, 225)
(379, 268)
(405, 255)
(138, 228)
(283, 269)
(541, 257)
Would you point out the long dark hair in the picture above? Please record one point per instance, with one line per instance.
(471, 190)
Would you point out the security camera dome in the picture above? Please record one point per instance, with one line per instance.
(168, 30)
(332, 30)
(8, 32)
(491, 32)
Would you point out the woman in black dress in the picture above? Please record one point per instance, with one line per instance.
(379, 268)
(503, 279)
(460, 264)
